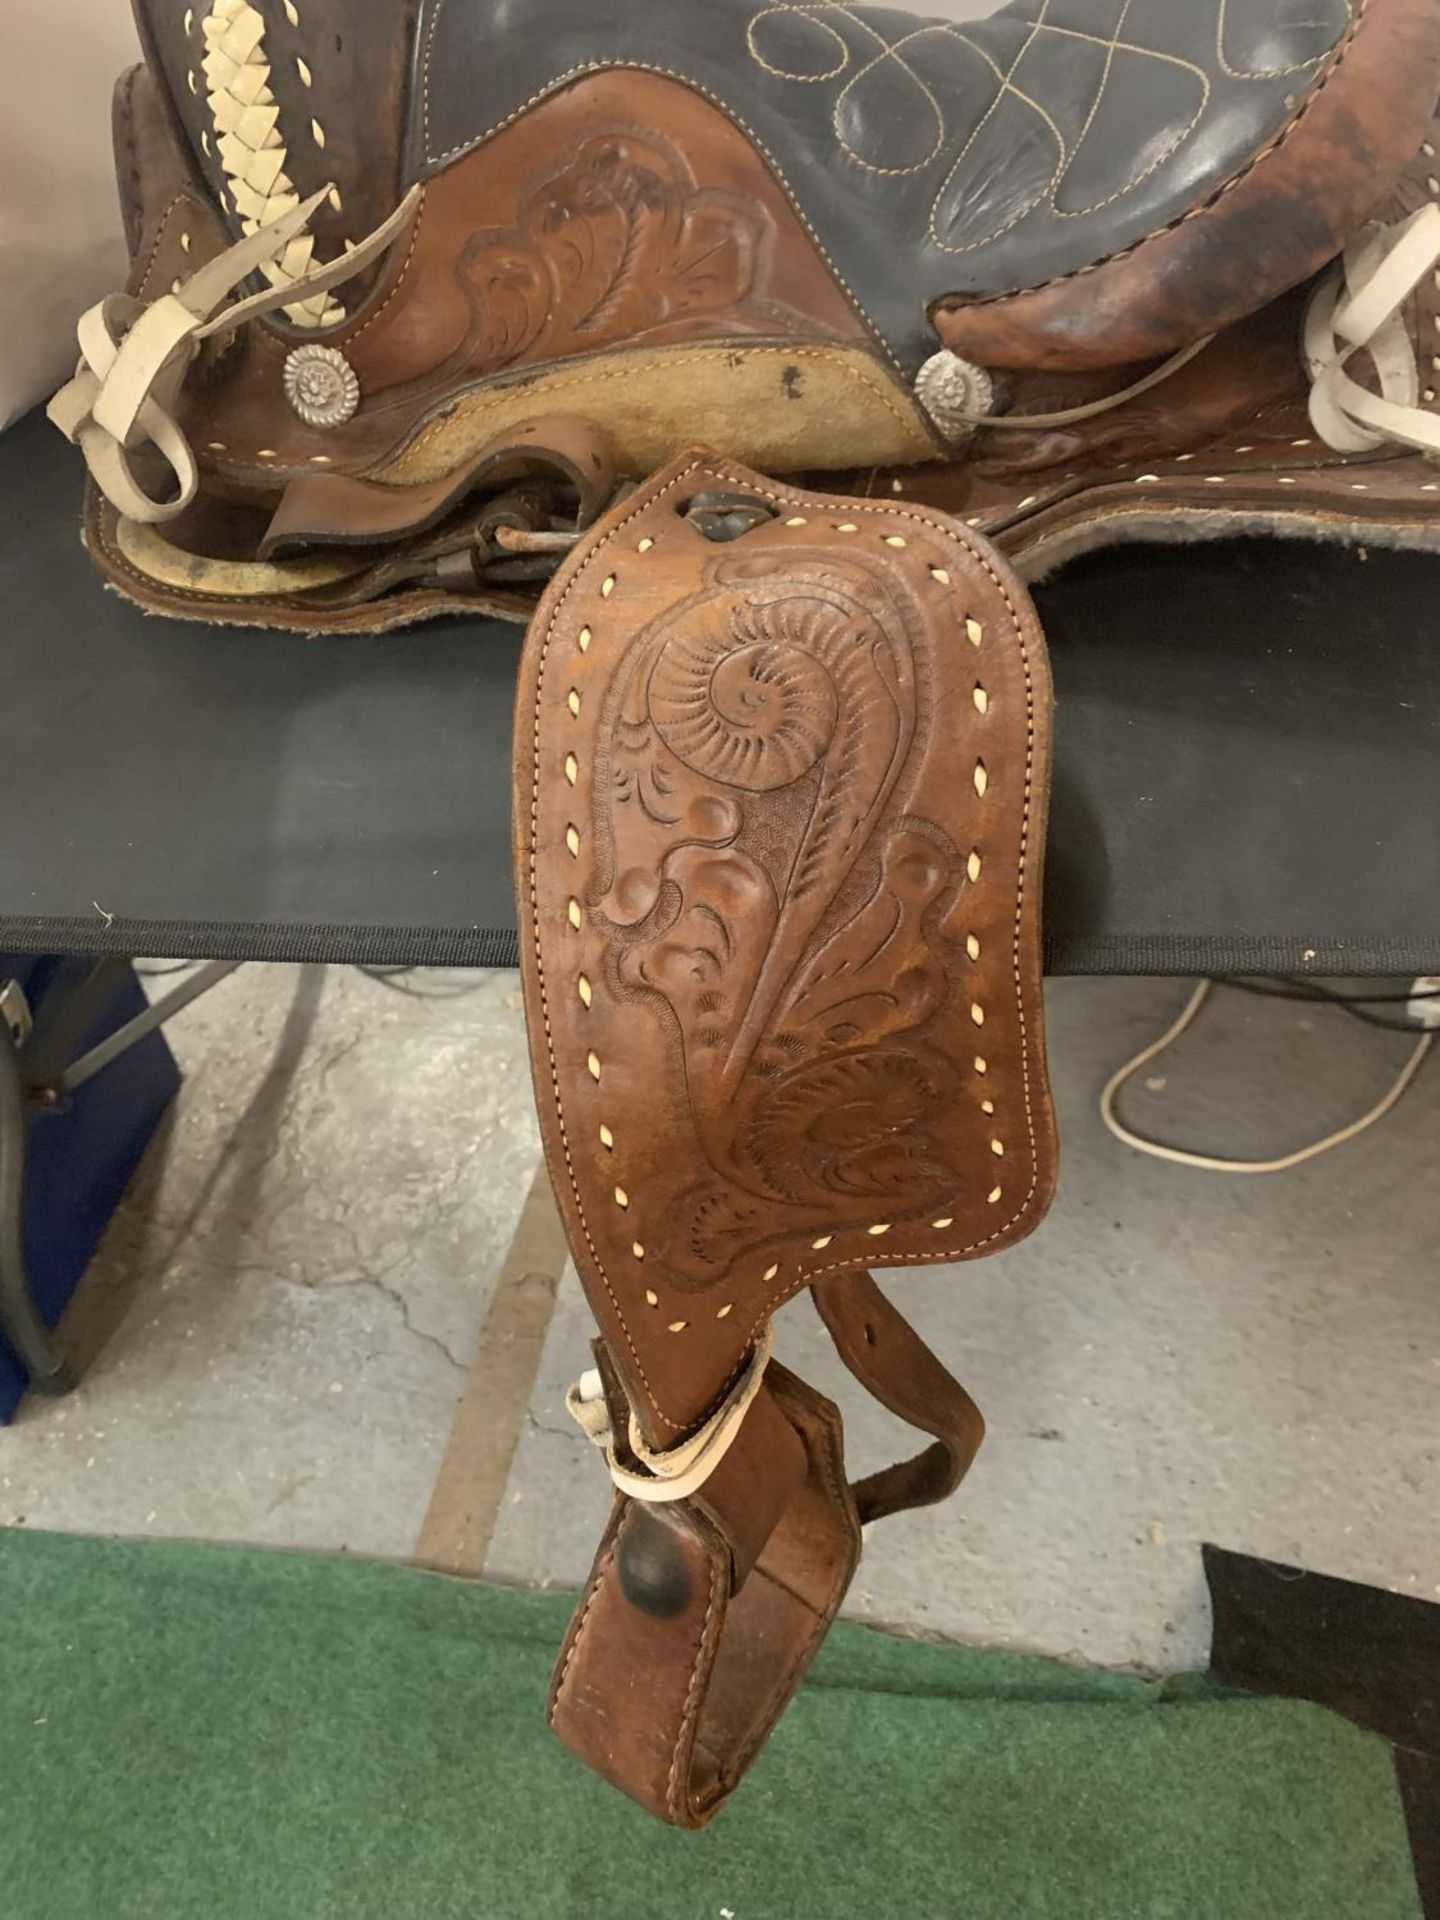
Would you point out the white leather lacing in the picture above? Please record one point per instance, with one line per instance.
(134, 358)
(680, 1470)
(1360, 306)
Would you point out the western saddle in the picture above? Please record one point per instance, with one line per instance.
(432, 300)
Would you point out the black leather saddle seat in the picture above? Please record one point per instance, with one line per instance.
(932, 159)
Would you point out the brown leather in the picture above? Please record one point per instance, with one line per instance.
(751, 882)
(1247, 377)
(152, 166)
(1260, 234)
(780, 802)
(672, 1674)
(185, 590)
(415, 548)
(337, 510)
(622, 211)
(893, 1363)
(781, 758)
(700, 1618)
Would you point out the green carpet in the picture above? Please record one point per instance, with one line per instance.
(199, 1733)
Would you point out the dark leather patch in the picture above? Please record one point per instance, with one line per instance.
(653, 1574)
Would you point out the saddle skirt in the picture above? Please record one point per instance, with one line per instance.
(430, 302)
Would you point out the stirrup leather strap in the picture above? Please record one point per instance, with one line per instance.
(781, 773)
(701, 1616)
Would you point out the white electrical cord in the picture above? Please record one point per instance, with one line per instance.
(1208, 1162)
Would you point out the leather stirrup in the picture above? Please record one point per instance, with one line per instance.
(781, 766)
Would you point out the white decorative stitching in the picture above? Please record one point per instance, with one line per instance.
(1165, 154)
(800, 79)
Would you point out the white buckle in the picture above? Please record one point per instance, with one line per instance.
(680, 1470)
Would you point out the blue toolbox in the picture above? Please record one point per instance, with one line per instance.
(80, 1149)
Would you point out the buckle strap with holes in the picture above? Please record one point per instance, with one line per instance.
(134, 358)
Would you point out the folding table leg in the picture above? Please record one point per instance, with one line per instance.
(20, 1320)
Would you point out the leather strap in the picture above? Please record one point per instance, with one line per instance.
(888, 1357)
(781, 766)
(336, 510)
(694, 1633)
(1361, 305)
(134, 358)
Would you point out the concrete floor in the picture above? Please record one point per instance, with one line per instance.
(282, 1319)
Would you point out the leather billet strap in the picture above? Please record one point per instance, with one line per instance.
(888, 1357)
(781, 774)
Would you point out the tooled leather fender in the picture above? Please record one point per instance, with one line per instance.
(781, 771)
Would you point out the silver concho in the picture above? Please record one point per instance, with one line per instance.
(321, 386)
(954, 392)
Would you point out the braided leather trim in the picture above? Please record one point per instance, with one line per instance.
(252, 147)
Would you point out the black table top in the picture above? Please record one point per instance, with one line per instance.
(1247, 765)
